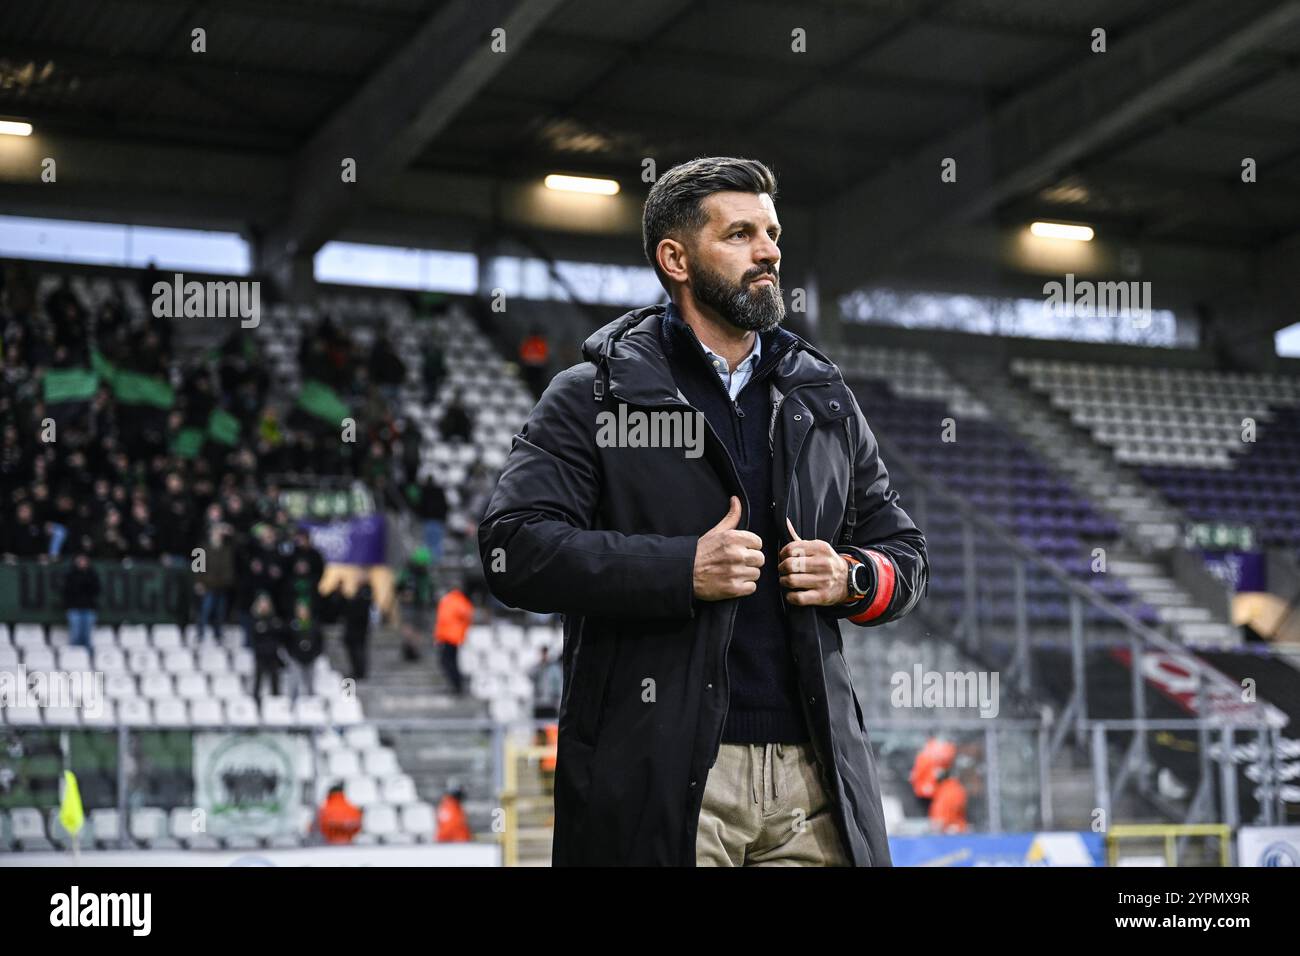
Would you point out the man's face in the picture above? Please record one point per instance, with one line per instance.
(734, 260)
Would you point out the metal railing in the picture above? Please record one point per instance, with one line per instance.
(1133, 635)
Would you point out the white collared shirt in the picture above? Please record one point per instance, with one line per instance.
(736, 380)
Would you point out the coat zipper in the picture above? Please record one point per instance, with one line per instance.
(827, 766)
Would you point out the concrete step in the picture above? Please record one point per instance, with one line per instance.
(1163, 598)
(1132, 567)
(1208, 632)
(1180, 615)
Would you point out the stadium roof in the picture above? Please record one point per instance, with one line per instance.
(1145, 141)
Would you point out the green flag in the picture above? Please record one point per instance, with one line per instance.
(188, 442)
(71, 813)
(223, 427)
(69, 385)
(132, 388)
(323, 402)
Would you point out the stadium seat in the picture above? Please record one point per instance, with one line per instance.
(105, 828)
(178, 661)
(192, 686)
(362, 737)
(397, 790)
(345, 710)
(418, 821)
(241, 662)
(142, 659)
(109, 657)
(73, 659)
(213, 660)
(379, 762)
(328, 740)
(157, 685)
(166, 637)
(38, 658)
(134, 712)
(119, 684)
(181, 826)
(277, 711)
(343, 763)
(362, 791)
(310, 711)
(378, 824)
(61, 716)
(28, 829)
(104, 715)
(21, 716)
(171, 712)
(205, 712)
(242, 712)
(131, 637)
(149, 829)
(227, 685)
(28, 636)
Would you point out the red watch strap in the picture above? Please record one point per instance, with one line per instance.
(884, 587)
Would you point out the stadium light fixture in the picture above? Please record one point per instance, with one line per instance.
(15, 128)
(581, 184)
(1062, 230)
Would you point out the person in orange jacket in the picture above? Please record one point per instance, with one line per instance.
(535, 356)
(948, 809)
(931, 761)
(338, 820)
(548, 736)
(452, 825)
(455, 613)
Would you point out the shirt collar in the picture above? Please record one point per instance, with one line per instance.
(720, 363)
(717, 361)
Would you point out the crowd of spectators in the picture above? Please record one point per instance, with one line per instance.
(106, 477)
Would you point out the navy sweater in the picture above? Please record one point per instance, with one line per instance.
(764, 701)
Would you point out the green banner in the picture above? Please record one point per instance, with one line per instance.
(188, 443)
(223, 427)
(132, 388)
(144, 593)
(323, 402)
(69, 385)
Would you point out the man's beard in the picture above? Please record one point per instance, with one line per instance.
(755, 308)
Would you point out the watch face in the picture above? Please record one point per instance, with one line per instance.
(859, 581)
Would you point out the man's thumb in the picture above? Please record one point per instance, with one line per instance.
(731, 520)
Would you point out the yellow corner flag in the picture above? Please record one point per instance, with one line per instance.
(71, 814)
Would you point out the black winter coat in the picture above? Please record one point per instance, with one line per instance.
(607, 536)
(81, 589)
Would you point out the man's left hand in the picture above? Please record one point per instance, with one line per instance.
(814, 573)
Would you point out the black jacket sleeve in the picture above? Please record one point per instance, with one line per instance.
(541, 547)
(881, 525)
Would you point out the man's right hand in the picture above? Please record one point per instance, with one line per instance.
(727, 560)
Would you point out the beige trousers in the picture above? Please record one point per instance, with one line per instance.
(767, 805)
